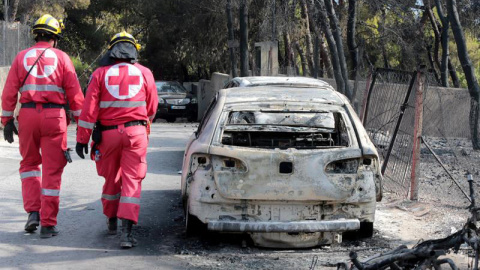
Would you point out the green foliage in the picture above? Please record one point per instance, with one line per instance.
(187, 39)
(82, 69)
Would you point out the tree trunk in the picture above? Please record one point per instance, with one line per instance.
(436, 32)
(337, 72)
(288, 51)
(468, 69)
(453, 74)
(444, 41)
(302, 57)
(316, 59)
(337, 35)
(382, 40)
(352, 46)
(231, 37)
(243, 38)
(13, 14)
(432, 63)
(324, 59)
(308, 37)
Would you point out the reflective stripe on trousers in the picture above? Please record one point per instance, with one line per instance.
(111, 197)
(133, 200)
(24, 175)
(50, 192)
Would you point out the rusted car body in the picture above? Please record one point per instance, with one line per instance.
(290, 168)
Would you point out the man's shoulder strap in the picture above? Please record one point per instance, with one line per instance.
(30, 70)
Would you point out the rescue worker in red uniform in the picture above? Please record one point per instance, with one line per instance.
(45, 79)
(120, 102)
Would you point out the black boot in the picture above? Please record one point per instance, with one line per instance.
(127, 240)
(112, 225)
(32, 222)
(48, 231)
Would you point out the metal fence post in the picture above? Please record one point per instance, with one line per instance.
(417, 133)
(365, 96)
(368, 91)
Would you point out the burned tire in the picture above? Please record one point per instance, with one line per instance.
(170, 119)
(193, 226)
(365, 231)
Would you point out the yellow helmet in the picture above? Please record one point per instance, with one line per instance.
(47, 23)
(124, 37)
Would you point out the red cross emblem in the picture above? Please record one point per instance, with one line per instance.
(123, 80)
(44, 67)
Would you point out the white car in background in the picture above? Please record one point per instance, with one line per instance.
(290, 167)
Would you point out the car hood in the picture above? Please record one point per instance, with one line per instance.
(174, 95)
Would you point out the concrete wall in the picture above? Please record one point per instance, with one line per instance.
(207, 89)
(204, 96)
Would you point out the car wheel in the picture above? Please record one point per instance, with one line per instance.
(192, 118)
(170, 119)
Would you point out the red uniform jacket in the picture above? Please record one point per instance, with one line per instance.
(52, 80)
(117, 94)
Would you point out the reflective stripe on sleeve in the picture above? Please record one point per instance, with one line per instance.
(122, 104)
(133, 200)
(85, 124)
(50, 192)
(38, 87)
(24, 175)
(7, 113)
(77, 113)
(111, 197)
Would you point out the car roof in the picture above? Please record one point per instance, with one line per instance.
(270, 80)
(283, 93)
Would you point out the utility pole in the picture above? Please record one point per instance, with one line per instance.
(5, 10)
(243, 38)
(231, 39)
(274, 23)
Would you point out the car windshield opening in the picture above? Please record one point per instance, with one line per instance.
(170, 88)
(301, 130)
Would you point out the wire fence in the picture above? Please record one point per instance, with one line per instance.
(15, 37)
(389, 120)
(446, 131)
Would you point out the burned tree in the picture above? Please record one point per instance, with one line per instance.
(468, 69)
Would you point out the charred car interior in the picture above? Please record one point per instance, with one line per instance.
(300, 130)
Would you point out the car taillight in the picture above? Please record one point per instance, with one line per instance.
(343, 166)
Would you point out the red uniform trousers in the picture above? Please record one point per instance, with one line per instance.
(42, 130)
(122, 161)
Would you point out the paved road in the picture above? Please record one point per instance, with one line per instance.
(83, 242)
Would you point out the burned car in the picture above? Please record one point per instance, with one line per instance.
(278, 81)
(290, 168)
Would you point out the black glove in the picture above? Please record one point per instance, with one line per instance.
(80, 147)
(9, 130)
